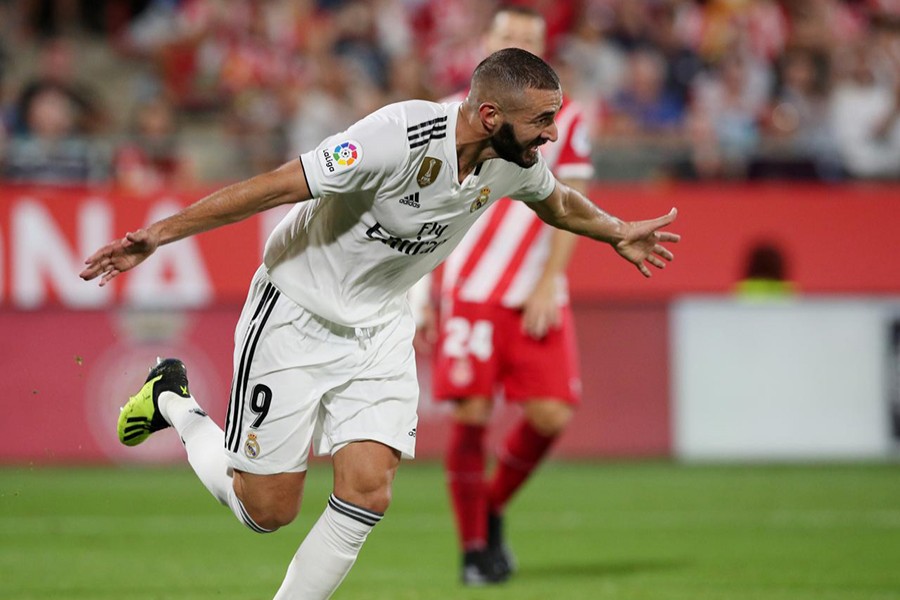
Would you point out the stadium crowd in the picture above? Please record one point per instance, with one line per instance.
(152, 93)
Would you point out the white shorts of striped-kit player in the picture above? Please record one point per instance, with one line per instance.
(302, 381)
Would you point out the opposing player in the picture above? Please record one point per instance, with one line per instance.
(505, 323)
(323, 348)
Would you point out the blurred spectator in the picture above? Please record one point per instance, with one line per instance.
(47, 18)
(865, 114)
(683, 63)
(323, 107)
(765, 274)
(50, 149)
(725, 115)
(57, 68)
(151, 158)
(357, 42)
(825, 24)
(643, 107)
(52, 17)
(642, 124)
(632, 27)
(755, 27)
(407, 79)
(597, 64)
(798, 121)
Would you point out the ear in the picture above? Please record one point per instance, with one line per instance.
(490, 116)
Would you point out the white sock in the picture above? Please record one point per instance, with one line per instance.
(329, 550)
(204, 443)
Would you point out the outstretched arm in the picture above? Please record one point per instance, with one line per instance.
(638, 242)
(286, 184)
(541, 310)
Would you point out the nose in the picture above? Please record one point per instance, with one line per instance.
(552, 132)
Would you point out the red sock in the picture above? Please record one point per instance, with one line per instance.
(520, 454)
(465, 479)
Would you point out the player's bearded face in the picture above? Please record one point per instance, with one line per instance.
(508, 147)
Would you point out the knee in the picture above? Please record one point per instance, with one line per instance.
(548, 417)
(272, 516)
(473, 411)
(369, 491)
(270, 503)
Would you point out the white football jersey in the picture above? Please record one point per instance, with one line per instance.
(387, 208)
(503, 256)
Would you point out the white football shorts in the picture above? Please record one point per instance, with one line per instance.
(301, 381)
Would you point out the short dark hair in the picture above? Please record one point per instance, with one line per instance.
(513, 70)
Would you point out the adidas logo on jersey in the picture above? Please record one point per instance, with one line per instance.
(411, 200)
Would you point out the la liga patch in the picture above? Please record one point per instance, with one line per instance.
(341, 157)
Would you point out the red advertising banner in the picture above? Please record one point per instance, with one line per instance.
(835, 239)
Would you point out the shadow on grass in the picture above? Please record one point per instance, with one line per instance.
(596, 570)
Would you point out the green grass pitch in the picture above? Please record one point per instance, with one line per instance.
(581, 531)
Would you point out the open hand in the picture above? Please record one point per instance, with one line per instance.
(643, 243)
(119, 256)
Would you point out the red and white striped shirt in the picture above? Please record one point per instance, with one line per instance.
(502, 256)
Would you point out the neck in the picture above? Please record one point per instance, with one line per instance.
(473, 142)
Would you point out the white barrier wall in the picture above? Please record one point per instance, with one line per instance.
(782, 380)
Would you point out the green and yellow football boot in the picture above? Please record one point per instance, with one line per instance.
(140, 416)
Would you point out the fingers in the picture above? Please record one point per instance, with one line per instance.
(101, 262)
(97, 264)
(90, 272)
(109, 276)
(100, 254)
(108, 272)
(663, 252)
(656, 262)
(650, 229)
(534, 326)
(537, 323)
(666, 219)
(665, 236)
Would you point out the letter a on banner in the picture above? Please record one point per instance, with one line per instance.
(176, 274)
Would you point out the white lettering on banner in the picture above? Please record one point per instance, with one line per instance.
(42, 260)
(176, 274)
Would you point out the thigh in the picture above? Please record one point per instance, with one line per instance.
(467, 359)
(541, 368)
(285, 362)
(378, 403)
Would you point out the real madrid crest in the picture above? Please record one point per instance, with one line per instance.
(428, 171)
(251, 446)
(481, 200)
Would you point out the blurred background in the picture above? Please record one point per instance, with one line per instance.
(774, 127)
